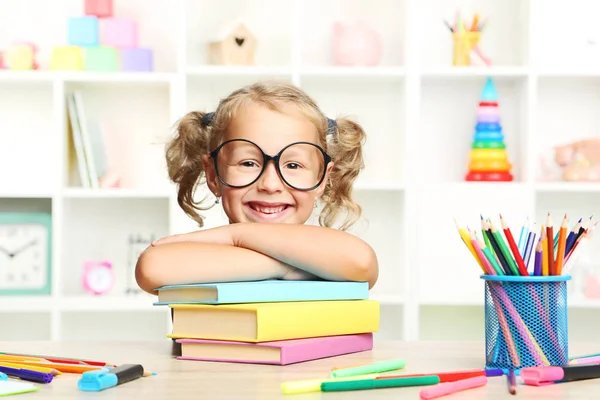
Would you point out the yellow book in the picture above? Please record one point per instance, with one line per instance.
(262, 322)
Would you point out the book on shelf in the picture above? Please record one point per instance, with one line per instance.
(87, 148)
(261, 292)
(283, 352)
(263, 322)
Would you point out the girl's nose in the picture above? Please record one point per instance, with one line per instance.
(270, 181)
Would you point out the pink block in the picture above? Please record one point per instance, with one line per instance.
(119, 32)
(99, 8)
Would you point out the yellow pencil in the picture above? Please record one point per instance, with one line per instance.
(467, 239)
(30, 367)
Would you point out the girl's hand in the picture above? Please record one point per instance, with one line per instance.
(219, 235)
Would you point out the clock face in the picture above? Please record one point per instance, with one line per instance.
(23, 256)
(99, 279)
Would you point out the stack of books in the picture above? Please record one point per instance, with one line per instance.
(272, 321)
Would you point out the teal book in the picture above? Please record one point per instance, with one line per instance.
(267, 291)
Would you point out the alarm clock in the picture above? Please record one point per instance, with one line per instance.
(25, 253)
(98, 277)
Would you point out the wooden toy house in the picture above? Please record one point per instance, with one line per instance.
(235, 46)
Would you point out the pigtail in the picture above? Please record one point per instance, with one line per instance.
(184, 161)
(345, 147)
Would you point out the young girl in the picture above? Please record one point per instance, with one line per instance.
(268, 154)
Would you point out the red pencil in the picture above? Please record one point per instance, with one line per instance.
(550, 234)
(513, 247)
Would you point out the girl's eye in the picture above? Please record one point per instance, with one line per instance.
(248, 164)
(293, 165)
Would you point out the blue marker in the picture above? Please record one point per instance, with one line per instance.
(94, 381)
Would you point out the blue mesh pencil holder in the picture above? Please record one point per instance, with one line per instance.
(526, 321)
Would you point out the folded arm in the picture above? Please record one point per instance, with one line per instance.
(325, 252)
(197, 262)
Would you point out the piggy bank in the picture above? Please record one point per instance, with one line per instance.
(356, 44)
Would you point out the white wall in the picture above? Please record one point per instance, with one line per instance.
(418, 111)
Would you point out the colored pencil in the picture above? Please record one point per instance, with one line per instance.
(537, 269)
(544, 252)
(467, 240)
(504, 249)
(550, 244)
(560, 253)
(490, 257)
(572, 235)
(523, 236)
(497, 251)
(486, 239)
(521, 268)
(530, 246)
(512, 382)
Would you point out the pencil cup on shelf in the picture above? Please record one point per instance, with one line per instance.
(526, 321)
(464, 43)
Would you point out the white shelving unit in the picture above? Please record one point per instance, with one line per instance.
(418, 111)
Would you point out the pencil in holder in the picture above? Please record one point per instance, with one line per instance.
(464, 43)
(526, 321)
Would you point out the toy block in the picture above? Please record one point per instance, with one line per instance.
(20, 57)
(119, 32)
(83, 31)
(137, 59)
(67, 58)
(100, 58)
(99, 8)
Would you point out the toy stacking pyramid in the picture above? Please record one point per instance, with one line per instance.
(488, 159)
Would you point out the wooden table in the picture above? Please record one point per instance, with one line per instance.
(211, 380)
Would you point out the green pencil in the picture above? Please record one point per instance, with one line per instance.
(505, 252)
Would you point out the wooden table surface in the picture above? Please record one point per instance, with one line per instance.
(179, 379)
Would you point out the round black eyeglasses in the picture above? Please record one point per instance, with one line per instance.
(239, 163)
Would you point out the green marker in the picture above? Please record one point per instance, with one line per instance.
(366, 384)
(382, 366)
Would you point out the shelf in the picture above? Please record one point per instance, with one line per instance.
(81, 193)
(25, 304)
(497, 72)
(357, 72)
(560, 187)
(226, 71)
(109, 303)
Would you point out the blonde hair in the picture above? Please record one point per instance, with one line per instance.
(195, 136)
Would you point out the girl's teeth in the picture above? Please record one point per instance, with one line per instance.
(269, 210)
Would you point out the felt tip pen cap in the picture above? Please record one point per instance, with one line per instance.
(366, 384)
(381, 366)
(444, 389)
(94, 381)
(3, 376)
(541, 376)
(494, 372)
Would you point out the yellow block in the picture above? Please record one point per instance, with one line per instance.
(67, 58)
(489, 155)
(491, 165)
(20, 57)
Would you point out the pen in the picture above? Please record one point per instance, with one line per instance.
(512, 383)
(94, 381)
(450, 376)
(366, 384)
(27, 375)
(444, 389)
(54, 359)
(541, 376)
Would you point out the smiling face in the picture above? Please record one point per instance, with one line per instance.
(268, 199)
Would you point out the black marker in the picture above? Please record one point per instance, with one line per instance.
(539, 376)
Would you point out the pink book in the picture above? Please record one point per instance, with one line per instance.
(282, 352)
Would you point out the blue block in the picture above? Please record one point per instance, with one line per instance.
(83, 31)
(488, 126)
(490, 136)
